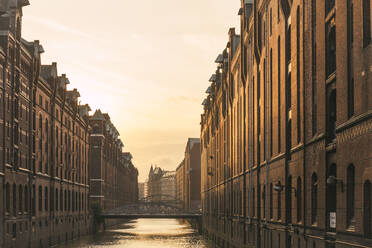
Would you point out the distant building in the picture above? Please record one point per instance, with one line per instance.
(161, 185)
(141, 191)
(188, 186)
(180, 185)
(113, 178)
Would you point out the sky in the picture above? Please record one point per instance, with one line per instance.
(147, 63)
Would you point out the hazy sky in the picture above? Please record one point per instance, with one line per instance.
(145, 62)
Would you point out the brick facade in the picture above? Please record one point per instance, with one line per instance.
(188, 176)
(109, 167)
(286, 128)
(44, 145)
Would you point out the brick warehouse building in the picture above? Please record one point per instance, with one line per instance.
(188, 177)
(287, 125)
(44, 141)
(109, 166)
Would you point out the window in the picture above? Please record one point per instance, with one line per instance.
(288, 45)
(33, 200)
(46, 199)
(271, 22)
(367, 222)
(26, 199)
(298, 29)
(299, 199)
(264, 201)
(51, 201)
(20, 198)
(279, 203)
(314, 198)
(289, 199)
(350, 195)
(41, 123)
(271, 102)
(366, 22)
(65, 200)
(271, 200)
(61, 200)
(7, 198)
(331, 116)
(40, 199)
(253, 202)
(330, 47)
(279, 96)
(14, 199)
(56, 196)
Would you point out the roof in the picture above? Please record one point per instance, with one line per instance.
(219, 59)
(192, 141)
(49, 71)
(98, 116)
(213, 78)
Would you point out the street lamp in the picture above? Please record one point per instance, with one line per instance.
(278, 187)
(332, 181)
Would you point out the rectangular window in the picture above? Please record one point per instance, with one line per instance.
(314, 69)
(366, 22)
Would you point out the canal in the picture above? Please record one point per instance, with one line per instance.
(144, 233)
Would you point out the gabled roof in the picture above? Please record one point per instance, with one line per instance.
(49, 71)
(213, 78)
(219, 59)
(209, 90)
(98, 116)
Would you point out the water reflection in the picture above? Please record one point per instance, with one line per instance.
(144, 233)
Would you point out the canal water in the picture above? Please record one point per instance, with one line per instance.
(144, 233)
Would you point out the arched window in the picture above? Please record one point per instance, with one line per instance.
(51, 201)
(20, 198)
(264, 201)
(367, 222)
(40, 199)
(330, 48)
(331, 116)
(350, 214)
(69, 200)
(7, 198)
(26, 199)
(65, 200)
(279, 199)
(41, 123)
(73, 201)
(56, 199)
(33, 200)
(46, 199)
(61, 200)
(253, 202)
(14, 199)
(289, 199)
(314, 198)
(271, 200)
(299, 199)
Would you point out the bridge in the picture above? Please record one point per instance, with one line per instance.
(152, 207)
